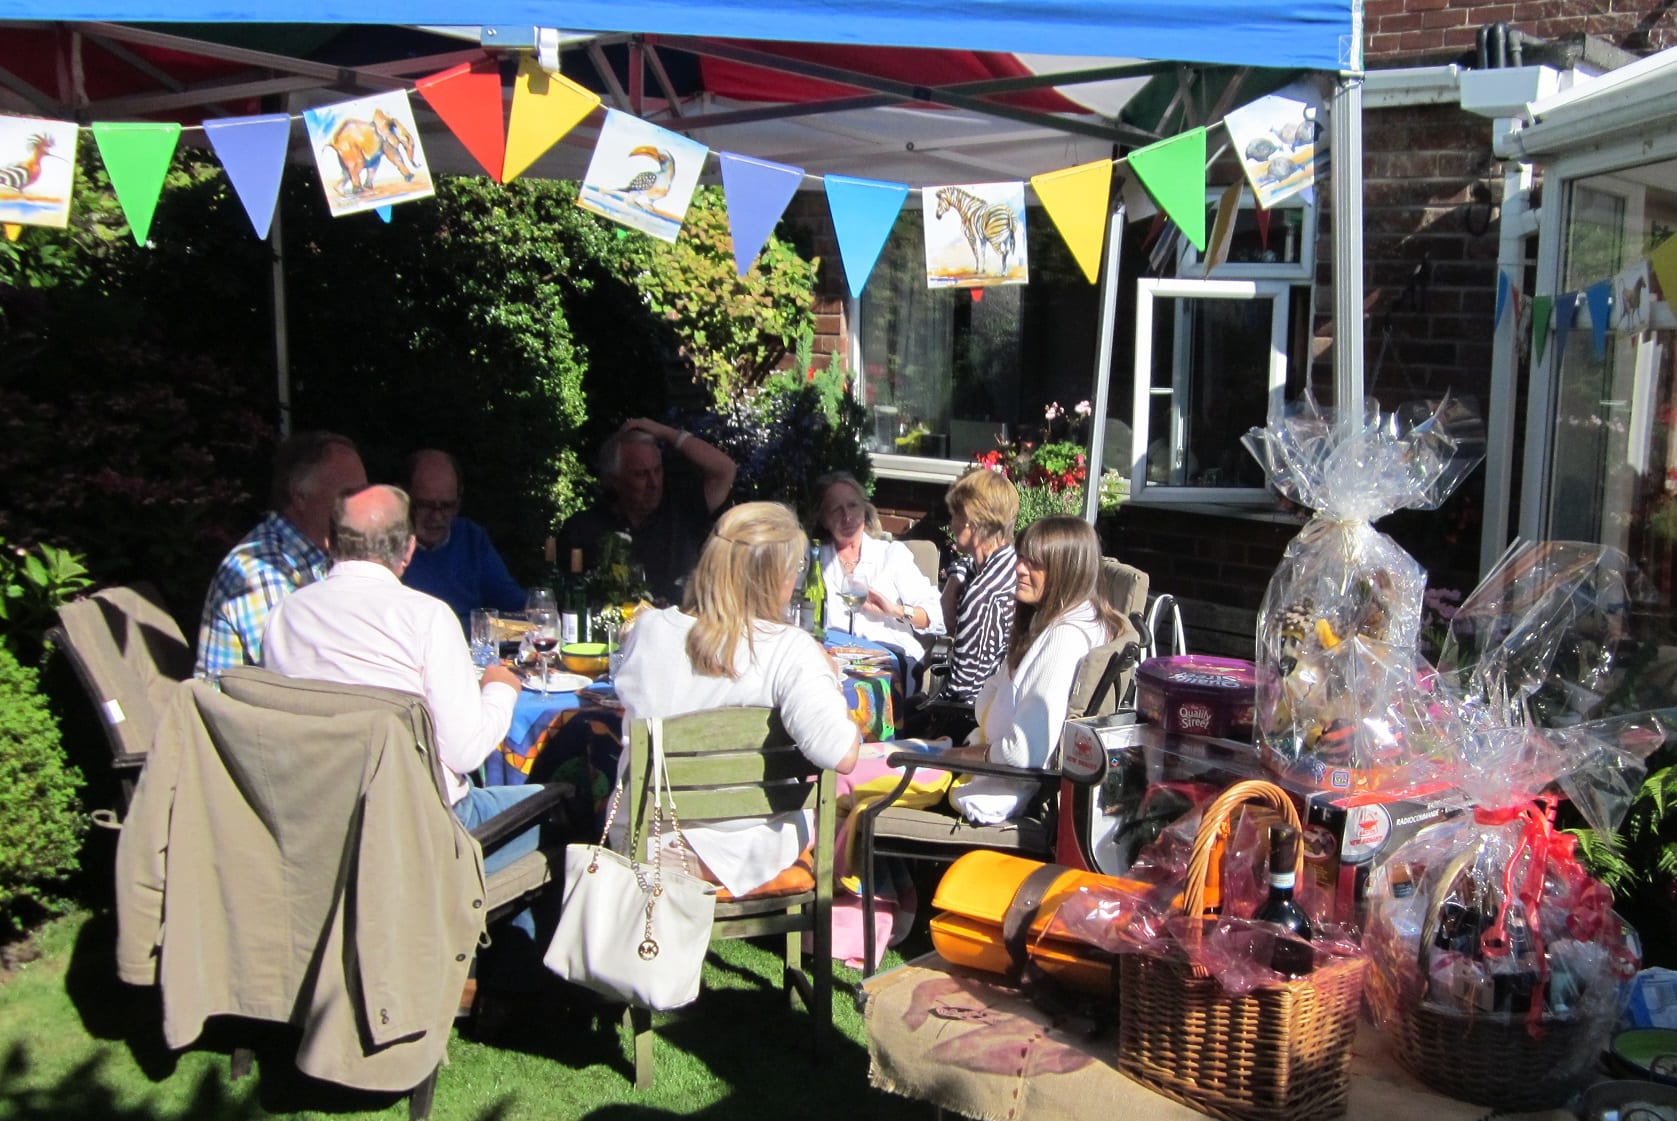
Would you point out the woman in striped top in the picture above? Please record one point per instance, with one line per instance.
(978, 594)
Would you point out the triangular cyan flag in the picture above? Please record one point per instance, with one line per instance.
(1542, 311)
(252, 152)
(1599, 297)
(1501, 298)
(1173, 171)
(864, 210)
(1076, 199)
(544, 108)
(468, 99)
(383, 213)
(137, 154)
(756, 192)
(1566, 314)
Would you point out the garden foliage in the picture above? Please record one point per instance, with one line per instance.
(40, 817)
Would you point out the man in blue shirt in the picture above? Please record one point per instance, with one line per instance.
(454, 561)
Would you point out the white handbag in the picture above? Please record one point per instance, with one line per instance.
(628, 929)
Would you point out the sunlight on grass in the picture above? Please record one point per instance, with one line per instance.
(75, 1043)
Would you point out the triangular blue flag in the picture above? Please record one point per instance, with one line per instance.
(383, 213)
(757, 192)
(1501, 298)
(864, 210)
(1599, 297)
(252, 150)
(1566, 311)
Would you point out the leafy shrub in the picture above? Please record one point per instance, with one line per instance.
(734, 329)
(796, 427)
(32, 585)
(40, 818)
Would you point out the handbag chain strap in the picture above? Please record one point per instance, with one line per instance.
(661, 788)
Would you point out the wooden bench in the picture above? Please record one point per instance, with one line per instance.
(1213, 628)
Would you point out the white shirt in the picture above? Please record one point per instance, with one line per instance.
(1020, 713)
(361, 626)
(889, 567)
(788, 672)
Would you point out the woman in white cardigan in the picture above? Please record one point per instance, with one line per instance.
(902, 603)
(1060, 617)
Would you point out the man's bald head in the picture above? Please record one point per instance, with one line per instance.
(372, 525)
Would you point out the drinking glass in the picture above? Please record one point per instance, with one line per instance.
(539, 599)
(485, 649)
(854, 592)
(544, 636)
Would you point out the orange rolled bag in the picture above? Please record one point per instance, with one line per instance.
(994, 912)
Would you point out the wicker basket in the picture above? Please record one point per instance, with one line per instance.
(1487, 1058)
(1279, 1053)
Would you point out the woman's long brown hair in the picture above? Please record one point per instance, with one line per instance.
(1068, 553)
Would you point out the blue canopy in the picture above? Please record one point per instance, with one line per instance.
(1302, 34)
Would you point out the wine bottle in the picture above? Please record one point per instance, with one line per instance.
(815, 593)
(575, 624)
(1291, 956)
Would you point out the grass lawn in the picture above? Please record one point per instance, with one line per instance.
(77, 1043)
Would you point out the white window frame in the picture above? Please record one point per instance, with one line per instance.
(1190, 264)
(1147, 292)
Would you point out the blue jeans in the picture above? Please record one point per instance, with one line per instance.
(518, 960)
(484, 802)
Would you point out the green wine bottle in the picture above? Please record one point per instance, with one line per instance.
(815, 591)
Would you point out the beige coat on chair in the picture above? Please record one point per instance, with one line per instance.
(253, 837)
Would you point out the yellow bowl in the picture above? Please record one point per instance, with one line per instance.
(585, 657)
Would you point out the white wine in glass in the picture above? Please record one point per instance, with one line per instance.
(853, 593)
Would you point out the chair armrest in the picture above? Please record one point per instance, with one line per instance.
(520, 817)
(912, 761)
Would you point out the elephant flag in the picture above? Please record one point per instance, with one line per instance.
(368, 153)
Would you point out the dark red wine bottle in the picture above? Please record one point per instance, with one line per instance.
(1290, 957)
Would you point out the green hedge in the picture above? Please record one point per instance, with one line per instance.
(41, 822)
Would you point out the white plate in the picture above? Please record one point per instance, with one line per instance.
(558, 683)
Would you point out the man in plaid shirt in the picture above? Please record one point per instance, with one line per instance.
(284, 552)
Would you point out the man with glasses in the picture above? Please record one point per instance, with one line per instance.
(455, 560)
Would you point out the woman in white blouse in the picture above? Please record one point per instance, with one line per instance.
(1060, 617)
(727, 645)
(902, 603)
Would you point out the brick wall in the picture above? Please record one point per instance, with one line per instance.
(808, 212)
(1417, 32)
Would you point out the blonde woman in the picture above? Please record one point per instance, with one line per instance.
(726, 645)
(902, 603)
(1060, 616)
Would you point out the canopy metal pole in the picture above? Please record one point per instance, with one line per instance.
(1347, 176)
(282, 337)
(1103, 361)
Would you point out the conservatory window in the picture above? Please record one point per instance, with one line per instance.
(1612, 465)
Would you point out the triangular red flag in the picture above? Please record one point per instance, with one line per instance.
(1262, 217)
(468, 99)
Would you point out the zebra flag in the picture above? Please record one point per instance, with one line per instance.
(975, 235)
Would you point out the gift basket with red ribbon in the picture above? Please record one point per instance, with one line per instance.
(1496, 959)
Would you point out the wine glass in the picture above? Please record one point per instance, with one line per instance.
(854, 592)
(539, 599)
(544, 636)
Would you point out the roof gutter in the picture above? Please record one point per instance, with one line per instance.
(1597, 111)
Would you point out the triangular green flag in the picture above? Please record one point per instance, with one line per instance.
(1173, 171)
(137, 156)
(1540, 312)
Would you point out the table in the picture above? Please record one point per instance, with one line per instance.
(950, 1036)
(541, 721)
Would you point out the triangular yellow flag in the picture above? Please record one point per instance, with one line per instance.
(1663, 260)
(544, 108)
(12, 231)
(1076, 198)
(1173, 171)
